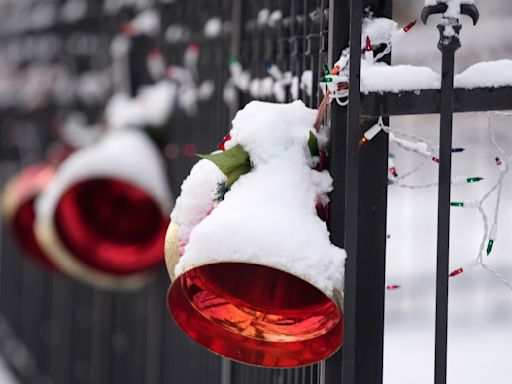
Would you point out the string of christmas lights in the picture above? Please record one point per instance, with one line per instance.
(336, 80)
(490, 232)
(426, 149)
(415, 144)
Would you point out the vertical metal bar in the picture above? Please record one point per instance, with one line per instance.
(236, 42)
(443, 221)
(62, 306)
(322, 46)
(226, 371)
(293, 27)
(154, 330)
(338, 40)
(352, 196)
(365, 227)
(101, 338)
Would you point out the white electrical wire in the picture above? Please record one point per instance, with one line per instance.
(428, 151)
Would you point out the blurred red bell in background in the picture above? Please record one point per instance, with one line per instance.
(19, 198)
(104, 218)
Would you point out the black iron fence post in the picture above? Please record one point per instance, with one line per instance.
(444, 195)
(338, 40)
(449, 43)
(365, 199)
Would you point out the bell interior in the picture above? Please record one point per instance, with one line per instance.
(256, 314)
(111, 225)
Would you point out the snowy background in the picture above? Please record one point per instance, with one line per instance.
(480, 324)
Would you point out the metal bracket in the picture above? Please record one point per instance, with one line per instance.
(450, 26)
(449, 29)
(442, 7)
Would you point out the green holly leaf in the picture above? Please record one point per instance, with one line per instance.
(313, 144)
(233, 162)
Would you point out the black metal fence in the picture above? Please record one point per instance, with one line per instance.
(53, 330)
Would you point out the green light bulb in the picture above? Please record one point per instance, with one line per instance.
(326, 69)
(489, 246)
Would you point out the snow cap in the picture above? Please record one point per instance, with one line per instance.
(126, 155)
(268, 216)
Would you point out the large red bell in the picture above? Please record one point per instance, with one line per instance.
(250, 289)
(255, 314)
(103, 219)
(18, 207)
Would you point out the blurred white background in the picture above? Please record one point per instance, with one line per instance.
(480, 316)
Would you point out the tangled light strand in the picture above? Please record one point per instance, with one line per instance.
(503, 164)
(428, 151)
(415, 144)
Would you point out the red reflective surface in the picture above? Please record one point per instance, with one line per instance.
(111, 225)
(256, 314)
(22, 193)
(22, 226)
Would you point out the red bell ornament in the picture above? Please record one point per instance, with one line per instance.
(18, 203)
(103, 219)
(255, 276)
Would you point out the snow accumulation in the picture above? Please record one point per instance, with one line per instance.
(146, 22)
(197, 199)
(306, 82)
(268, 216)
(77, 133)
(492, 74)
(455, 2)
(126, 155)
(213, 27)
(453, 6)
(119, 46)
(381, 77)
(73, 10)
(419, 148)
(378, 30)
(152, 106)
(157, 101)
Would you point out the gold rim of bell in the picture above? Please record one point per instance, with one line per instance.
(13, 196)
(49, 241)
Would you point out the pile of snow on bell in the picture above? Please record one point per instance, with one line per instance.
(268, 216)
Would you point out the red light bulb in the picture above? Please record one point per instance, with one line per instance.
(224, 141)
(368, 44)
(456, 272)
(409, 26)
